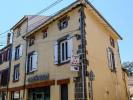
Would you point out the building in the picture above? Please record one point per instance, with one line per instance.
(17, 71)
(5, 61)
(130, 85)
(73, 55)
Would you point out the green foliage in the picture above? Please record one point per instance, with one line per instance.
(129, 66)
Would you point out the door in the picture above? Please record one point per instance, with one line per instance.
(39, 96)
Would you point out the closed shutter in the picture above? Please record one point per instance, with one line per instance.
(21, 50)
(35, 61)
(70, 46)
(56, 59)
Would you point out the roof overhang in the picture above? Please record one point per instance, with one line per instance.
(106, 23)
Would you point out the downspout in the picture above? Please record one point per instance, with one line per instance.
(26, 48)
(10, 62)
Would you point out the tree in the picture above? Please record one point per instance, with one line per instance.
(129, 66)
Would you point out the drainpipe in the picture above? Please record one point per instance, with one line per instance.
(10, 60)
(26, 48)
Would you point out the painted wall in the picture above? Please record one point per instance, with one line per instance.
(45, 49)
(107, 85)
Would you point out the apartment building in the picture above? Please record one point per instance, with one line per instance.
(73, 55)
(17, 70)
(5, 56)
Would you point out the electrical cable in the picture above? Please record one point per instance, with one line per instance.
(40, 12)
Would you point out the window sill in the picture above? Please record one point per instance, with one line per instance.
(31, 72)
(62, 63)
(15, 81)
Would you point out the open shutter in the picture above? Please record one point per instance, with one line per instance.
(70, 46)
(56, 60)
(13, 54)
(26, 66)
(35, 61)
(109, 58)
(21, 50)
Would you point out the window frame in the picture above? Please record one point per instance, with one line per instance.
(31, 40)
(18, 31)
(112, 42)
(17, 52)
(16, 67)
(111, 59)
(65, 58)
(30, 67)
(63, 22)
(45, 33)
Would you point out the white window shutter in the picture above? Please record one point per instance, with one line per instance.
(56, 53)
(13, 53)
(21, 50)
(70, 46)
(35, 61)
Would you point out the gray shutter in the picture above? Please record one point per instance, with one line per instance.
(13, 53)
(109, 58)
(70, 46)
(35, 61)
(56, 60)
(21, 50)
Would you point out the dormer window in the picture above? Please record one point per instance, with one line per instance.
(112, 42)
(31, 40)
(63, 23)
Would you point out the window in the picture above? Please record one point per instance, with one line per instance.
(63, 23)
(4, 77)
(111, 59)
(31, 40)
(64, 92)
(32, 62)
(18, 52)
(4, 56)
(45, 33)
(18, 31)
(63, 49)
(112, 42)
(16, 73)
(15, 95)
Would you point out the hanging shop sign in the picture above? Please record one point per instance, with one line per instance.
(74, 63)
(39, 78)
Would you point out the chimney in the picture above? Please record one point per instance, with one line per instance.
(8, 38)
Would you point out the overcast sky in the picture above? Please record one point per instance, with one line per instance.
(119, 14)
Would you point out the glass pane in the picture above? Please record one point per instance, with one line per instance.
(63, 52)
(66, 50)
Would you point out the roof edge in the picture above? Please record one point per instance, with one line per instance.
(100, 15)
